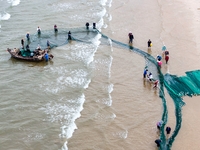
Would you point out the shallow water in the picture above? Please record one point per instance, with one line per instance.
(92, 94)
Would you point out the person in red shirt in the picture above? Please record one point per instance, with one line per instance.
(166, 58)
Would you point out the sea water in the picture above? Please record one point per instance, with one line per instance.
(41, 101)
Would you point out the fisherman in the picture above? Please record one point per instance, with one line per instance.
(55, 28)
(159, 124)
(159, 57)
(166, 58)
(87, 25)
(69, 36)
(27, 47)
(28, 36)
(166, 52)
(164, 48)
(22, 42)
(145, 73)
(156, 85)
(94, 25)
(158, 142)
(150, 77)
(39, 30)
(131, 37)
(168, 130)
(149, 43)
(46, 56)
(159, 63)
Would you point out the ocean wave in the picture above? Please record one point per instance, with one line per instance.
(5, 16)
(14, 2)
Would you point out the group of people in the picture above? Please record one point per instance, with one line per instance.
(166, 55)
(167, 129)
(149, 44)
(150, 78)
(87, 25)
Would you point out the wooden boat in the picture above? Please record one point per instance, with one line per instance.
(22, 54)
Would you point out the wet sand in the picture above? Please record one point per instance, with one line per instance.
(177, 25)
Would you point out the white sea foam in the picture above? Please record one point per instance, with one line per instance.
(103, 2)
(65, 112)
(14, 2)
(109, 3)
(64, 147)
(5, 16)
(66, 78)
(110, 88)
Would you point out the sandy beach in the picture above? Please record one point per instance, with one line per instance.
(175, 24)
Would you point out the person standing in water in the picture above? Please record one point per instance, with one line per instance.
(131, 37)
(164, 48)
(166, 58)
(55, 28)
(168, 130)
(94, 25)
(149, 43)
(154, 87)
(166, 53)
(28, 36)
(159, 124)
(69, 36)
(38, 30)
(158, 142)
(87, 25)
(145, 73)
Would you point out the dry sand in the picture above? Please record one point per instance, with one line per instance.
(177, 25)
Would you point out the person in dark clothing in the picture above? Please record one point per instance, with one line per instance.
(39, 30)
(55, 28)
(131, 37)
(166, 52)
(159, 58)
(168, 130)
(69, 36)
(28, 36)
(159, 124)
(145, 73)
(94, 25)
(149, 43)
(27, 47)
(22, 42)
(87, 25)
(158, 142)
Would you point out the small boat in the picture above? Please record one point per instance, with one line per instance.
(35, 56)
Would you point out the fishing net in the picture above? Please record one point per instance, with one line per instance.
(177, 87)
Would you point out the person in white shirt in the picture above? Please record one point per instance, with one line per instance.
(39, 30)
